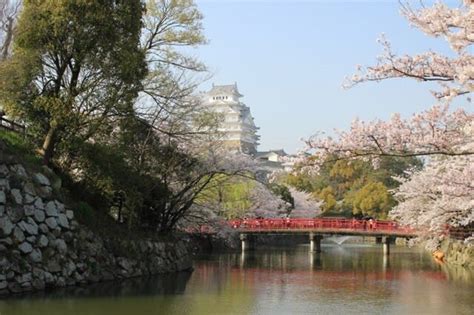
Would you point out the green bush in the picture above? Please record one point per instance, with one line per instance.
(84, 212)
(21, 147)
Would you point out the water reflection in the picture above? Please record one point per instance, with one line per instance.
(342, 280)
(168, 284)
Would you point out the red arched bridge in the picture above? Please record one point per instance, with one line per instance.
(384, 231)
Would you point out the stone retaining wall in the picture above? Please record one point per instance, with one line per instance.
(458, 253)
(43, 246)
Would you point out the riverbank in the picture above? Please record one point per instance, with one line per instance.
(42, 244)
(458, 253)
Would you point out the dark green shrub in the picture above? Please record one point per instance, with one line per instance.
(84, 212)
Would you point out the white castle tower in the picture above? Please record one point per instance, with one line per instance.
(238, 127)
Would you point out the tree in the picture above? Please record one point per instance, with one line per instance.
(437, 195)
(305, 205)
(9, 10)
(166, 100)
(284, 193)
(187, 176)
(76, 66)
(340, 181)
(328, 198)
(455, 75)
(436, 131)
(373, 199)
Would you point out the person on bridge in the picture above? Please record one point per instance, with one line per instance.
(353, 223)
(371, 224)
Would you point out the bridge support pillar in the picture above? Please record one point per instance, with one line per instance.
(315, 242)
(386, 244)
(378, 240)
(246, 242)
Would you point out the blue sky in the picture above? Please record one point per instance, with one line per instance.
(289, 59)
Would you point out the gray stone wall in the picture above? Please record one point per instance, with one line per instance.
(43, 246)
(458, 253)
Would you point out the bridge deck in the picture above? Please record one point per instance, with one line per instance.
(328, 226)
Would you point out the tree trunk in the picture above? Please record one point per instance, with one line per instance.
(8, 40)
(48, 145)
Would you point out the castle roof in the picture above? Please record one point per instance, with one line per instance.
(280, 152)
(225, 90)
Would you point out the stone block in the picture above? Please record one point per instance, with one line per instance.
(15, 213)
(29, 210)
(25, 248)
(63, 221)
(3, 197)
(4, 170)
(29, 199)
(6, 226)
(39, 203)
(60, 206)
(70, 214)
(36, 255)
(18, 234)
(29, 188)
(4, 184)
(51, 209)
(29, 226)
(43, 241)
(39, 215)
(16, 196)
(43, 228)
(41, 179)
(19, 170)
(51, 223)
(60, 246)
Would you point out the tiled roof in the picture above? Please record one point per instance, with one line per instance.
(225, 90)
(267, 153)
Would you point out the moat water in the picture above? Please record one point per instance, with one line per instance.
(347, 279)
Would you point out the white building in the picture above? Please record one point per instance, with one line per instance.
(237, 126)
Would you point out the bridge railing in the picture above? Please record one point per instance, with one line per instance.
(318, 223)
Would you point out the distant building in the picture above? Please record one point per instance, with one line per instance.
(272, 155)
(238, 127)
(274, 160)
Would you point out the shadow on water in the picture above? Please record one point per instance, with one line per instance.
(166, 284)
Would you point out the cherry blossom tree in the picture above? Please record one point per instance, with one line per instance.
(305, 205)
(436, 131)
(440, 195)
(455, 74)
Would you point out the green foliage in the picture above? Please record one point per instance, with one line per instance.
(373, 199)
(302, 182)
(327, 195)
(230, 197)
(74, 65)
(20, 147)
(284, 193)
(84, 212)
(236, 198)
(354, 187)
(74, 76)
